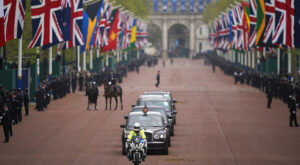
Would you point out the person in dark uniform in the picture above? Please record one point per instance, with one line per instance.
(20, 104)
(80, 82)
(39, 99)
(293, 108)
(13, 107)
(74, 83)
(95, 94)
(26, 102)
(157, 79)
(269, 96)
(6, 123)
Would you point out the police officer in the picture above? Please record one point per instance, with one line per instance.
(136, 132)
(80, 82)
(293, 108)
(19, 96)
(269, 96)
(157, 79)
(74, 83)
(26, 102)
(6, 123)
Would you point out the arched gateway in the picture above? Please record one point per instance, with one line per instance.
(197, 30)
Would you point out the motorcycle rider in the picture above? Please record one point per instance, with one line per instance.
(137, 131)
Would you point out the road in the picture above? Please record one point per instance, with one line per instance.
(218, 123)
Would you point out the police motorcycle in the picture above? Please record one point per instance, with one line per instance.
(137, 149)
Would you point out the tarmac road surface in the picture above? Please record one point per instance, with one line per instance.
(218, 123)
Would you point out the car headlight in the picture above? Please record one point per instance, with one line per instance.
(159, 136)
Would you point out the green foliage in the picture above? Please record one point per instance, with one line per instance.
(214, 9)
(140, 8)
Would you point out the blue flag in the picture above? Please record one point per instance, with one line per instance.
(192, 4)
(200, 6)
(155, 5)
(297, 24)
(65, 21)
(182, 6)
(165, 5)
(230, 26)
(174, 6)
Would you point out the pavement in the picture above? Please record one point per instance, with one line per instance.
(218, 123)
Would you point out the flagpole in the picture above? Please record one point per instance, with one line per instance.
(38, 67)
(91, 59)
(253, 59)
(278, 61)
(289, 61)
(84, 61)
(50, 64)
(78, 58)
(20, 64)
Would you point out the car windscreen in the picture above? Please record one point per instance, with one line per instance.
(156, 103)
(161, 111)
(145, 121)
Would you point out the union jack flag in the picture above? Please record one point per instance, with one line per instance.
(233, 30)
(45, 23)
(270, 22)
(127, 33)
(76, 25)
(237, 13)
(252, 15)
(106, 26)
(2, 36)
(14, 13)
(284, 24)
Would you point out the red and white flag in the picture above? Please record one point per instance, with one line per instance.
(14, 14)
(2, 37)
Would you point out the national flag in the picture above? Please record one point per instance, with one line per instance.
(284, 24)
(182, 6)
(233, 31)
(155, 5)
(192, 5)
(133, 34)
(127, 34)
(260, 20)
(65, 19)
(113, 32)
(269, 29)
(106, 27)
(238, 16)
(174, 6)
(100, 23)
(246, 25)
(297, 25)
(246, 8)
(200, 6)
(165, 5)
(14, 13)
(45, 23)
(252, 15)
(75, 26)
(2, 36)
(90, 18)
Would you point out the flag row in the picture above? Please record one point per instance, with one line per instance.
(182, 5)
(256, 24)
(67, 23)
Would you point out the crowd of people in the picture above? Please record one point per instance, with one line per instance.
(11, 104)
(278, 86)
(13, 101)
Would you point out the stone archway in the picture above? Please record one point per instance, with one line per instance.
(178, 41)
(155, 35)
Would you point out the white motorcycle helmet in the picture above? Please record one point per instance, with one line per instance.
(137, 127)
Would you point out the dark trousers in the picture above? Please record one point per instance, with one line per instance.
(26, 109)
(269, 102)
(6, 132)
(157, 84)
(293, 118)
(19, 114)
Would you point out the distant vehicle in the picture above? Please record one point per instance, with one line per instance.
(155, 100)
(154, 128)
(168, 95)
(161, 110)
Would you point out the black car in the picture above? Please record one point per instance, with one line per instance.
(162, 111)
(152, 100)
(167, 95)
(154, 127)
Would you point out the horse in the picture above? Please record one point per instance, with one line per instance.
(109, 93)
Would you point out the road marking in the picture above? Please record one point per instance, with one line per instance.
(221, 130)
